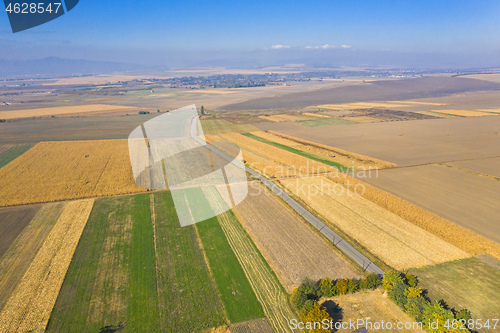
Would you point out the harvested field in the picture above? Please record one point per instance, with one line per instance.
(317, 115)
(341, 156)
(487, 166)
(31, 303)
(64, 111)
(291, 163)
(454, 234)
(359, 105)
(468, 283)
(281, 117)
(12, 222)
(208, 91)
(20, 254)
(388, 90)
(395, 241)
(221, 126)
(466, 199)
(8, 153)
(291, 248)
(407, 142)
(370, 305)
(464, 113)
(266, 286)
(253, 326)
(53, 171)
(377, 115)
(70, 128)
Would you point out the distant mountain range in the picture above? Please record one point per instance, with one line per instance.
(55, 65)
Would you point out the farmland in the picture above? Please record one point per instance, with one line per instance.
(395, 241)
(12, 223)
(290, 247)
(371, 306)
(53, 171)
(10, 153)
(30, 304)
(64, 111)
(132, 251)
(443, 191)
(468, 283)
(21, 252)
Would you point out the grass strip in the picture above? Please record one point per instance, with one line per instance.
(339, 166)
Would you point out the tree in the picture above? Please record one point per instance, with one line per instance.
(372, 281)
(391, 278)
(437, 319)
(415, 307)
(411, 280)
(342, 285)
(352, 286)
(398, 294)
(314, 318)
(310, 288)
(463, 315)
(202, 110)
(298, 299)
(309, 304)
(326, 287)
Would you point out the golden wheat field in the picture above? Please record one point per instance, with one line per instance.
(397, 242)
(54, 171)
(30, 305)
(63, 110)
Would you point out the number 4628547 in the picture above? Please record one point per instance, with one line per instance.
(33, 8)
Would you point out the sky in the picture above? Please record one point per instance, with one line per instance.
(168, 33)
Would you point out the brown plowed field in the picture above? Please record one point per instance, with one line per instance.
(290, 247)
(12, 222)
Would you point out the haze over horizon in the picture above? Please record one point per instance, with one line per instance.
(424, 34)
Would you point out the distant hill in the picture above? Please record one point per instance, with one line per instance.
(55, 65)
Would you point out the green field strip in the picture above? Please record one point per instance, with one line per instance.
(448, 114)
(235, 291)
(8, 156)
(111, 280)
(325, 122)
(142, 312)
(188, 298)
(339, 166)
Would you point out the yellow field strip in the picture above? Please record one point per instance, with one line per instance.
(462, 238)
(317, 115)
(465, 113)
(266, 287)
(397, 242)
(30, 305)
(277, 118)
(375, 104)
(19, 256)
(63, 110)
(290, 164)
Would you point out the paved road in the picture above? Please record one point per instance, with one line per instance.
(339, 242)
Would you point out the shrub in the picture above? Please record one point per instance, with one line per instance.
(436, 313)
(2, 120)
(143, 112)
(342, 285)
(463, 315)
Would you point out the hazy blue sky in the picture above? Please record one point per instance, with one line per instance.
(158, 32)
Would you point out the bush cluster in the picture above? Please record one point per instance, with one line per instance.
(404, 291)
